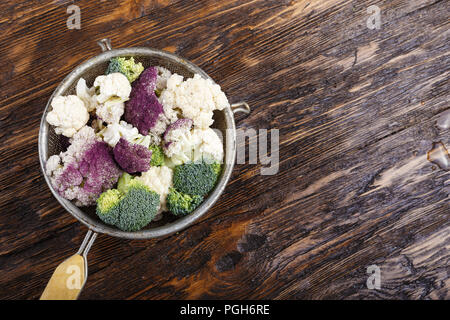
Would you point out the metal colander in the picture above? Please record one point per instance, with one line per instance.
(50, 143)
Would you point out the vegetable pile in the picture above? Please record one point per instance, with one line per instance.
(140, 143)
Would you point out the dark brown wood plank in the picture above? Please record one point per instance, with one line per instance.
(356, 109)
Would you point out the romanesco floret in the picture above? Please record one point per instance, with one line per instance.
(85, 170)
(181, 204)
(127, 67)
(130, 210)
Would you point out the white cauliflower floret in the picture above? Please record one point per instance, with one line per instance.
(112, 91)
(196, 97)
(160, 125)
(53, 165)
(181, 144)
(86, 94)
(85, 170)
(183, 149)
(79, 143)
(113, 132)
(207, 144)
(174, 81)
(158, 179)
(161, 80)
(68, 115)
(112, 85)
(178, 143)
(164, 74)
(170, 115)
(111, 110)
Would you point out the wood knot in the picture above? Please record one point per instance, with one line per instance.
(251, 242)
(228, 261)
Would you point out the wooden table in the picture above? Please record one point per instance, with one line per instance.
(355, 107)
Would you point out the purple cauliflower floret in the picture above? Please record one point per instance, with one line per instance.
(143, 110)
(183, 124)
(85, 170)
(147, 80)
(177, 140)
(132, 157)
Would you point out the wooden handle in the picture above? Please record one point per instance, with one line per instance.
(67, 280)
(69, 277)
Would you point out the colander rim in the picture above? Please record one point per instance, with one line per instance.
(95, 224)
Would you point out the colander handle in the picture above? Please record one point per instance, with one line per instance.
(69, 277)
(105, 44)
(241, 106)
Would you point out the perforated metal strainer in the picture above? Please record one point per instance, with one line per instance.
(50, 143)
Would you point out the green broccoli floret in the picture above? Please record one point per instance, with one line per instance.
(123, 182)
(181, 204)
(217, 168)
(157, 156)
(196, 178)
(130, 210)
(108, 205)
(137, 208)
(128, 67)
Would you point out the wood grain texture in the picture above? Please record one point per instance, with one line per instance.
(356, 109)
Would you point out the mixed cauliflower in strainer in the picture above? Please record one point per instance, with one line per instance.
(141, 143)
